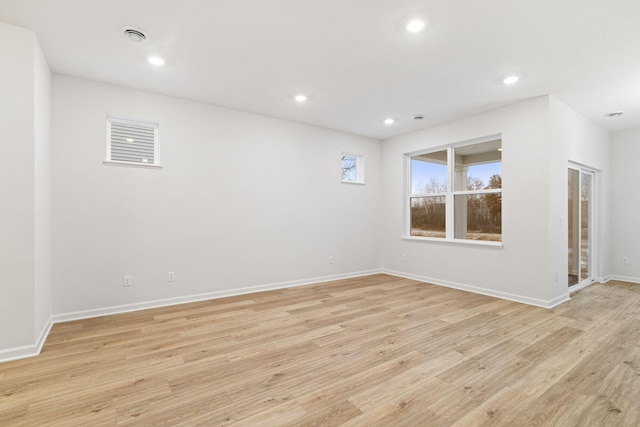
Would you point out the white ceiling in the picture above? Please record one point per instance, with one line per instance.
(354, 58)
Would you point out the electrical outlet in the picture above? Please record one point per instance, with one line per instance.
(171, 277)
(625, 260)
(404, 258)
(331, 260)
(127, 280)
(557, 276)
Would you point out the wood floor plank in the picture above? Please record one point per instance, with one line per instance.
(369, 351)
(491, 412)
(374, 396)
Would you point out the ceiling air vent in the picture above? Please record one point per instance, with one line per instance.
(614, 114)
(134, 34)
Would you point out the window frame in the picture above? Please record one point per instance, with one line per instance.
(157, 164)
(449, 195)
(359, 174)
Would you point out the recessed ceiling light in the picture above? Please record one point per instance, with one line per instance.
(388, 121)
(156, 60)
(614, 114)
(511, 80)
(415, 26)
(300, 97)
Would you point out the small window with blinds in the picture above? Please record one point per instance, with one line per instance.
(132, 142)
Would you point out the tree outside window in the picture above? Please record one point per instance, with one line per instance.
(456, 192)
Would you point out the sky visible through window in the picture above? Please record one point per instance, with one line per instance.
(349, 165)
(422, 173)
(485, 171)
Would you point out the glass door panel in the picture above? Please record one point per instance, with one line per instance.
(580, 226)
(586, 191)
(573, 227)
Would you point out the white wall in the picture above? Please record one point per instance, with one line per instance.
(25, 251)
(625, 205)
(42, 192)
(16, 167)
(519, 270)
(539, 138)
(578, 140)
(242, 201)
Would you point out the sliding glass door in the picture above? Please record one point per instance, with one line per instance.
(581, 226)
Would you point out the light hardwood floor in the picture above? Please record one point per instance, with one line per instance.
(377, 350)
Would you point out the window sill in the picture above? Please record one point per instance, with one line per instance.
(455, 241)
(352, 183)
(131, 164)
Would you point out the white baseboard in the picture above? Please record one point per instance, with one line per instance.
(23, 352)
(483, 291)
(625, 278)
(556, 301)
(34, 349)
(107, 311)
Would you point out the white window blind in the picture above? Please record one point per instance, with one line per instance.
(133, 142)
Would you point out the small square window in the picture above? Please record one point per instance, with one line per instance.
(352, 166)
(132, 142)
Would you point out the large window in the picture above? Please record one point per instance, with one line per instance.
(456, 192)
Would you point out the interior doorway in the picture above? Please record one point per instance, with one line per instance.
(581, 220)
